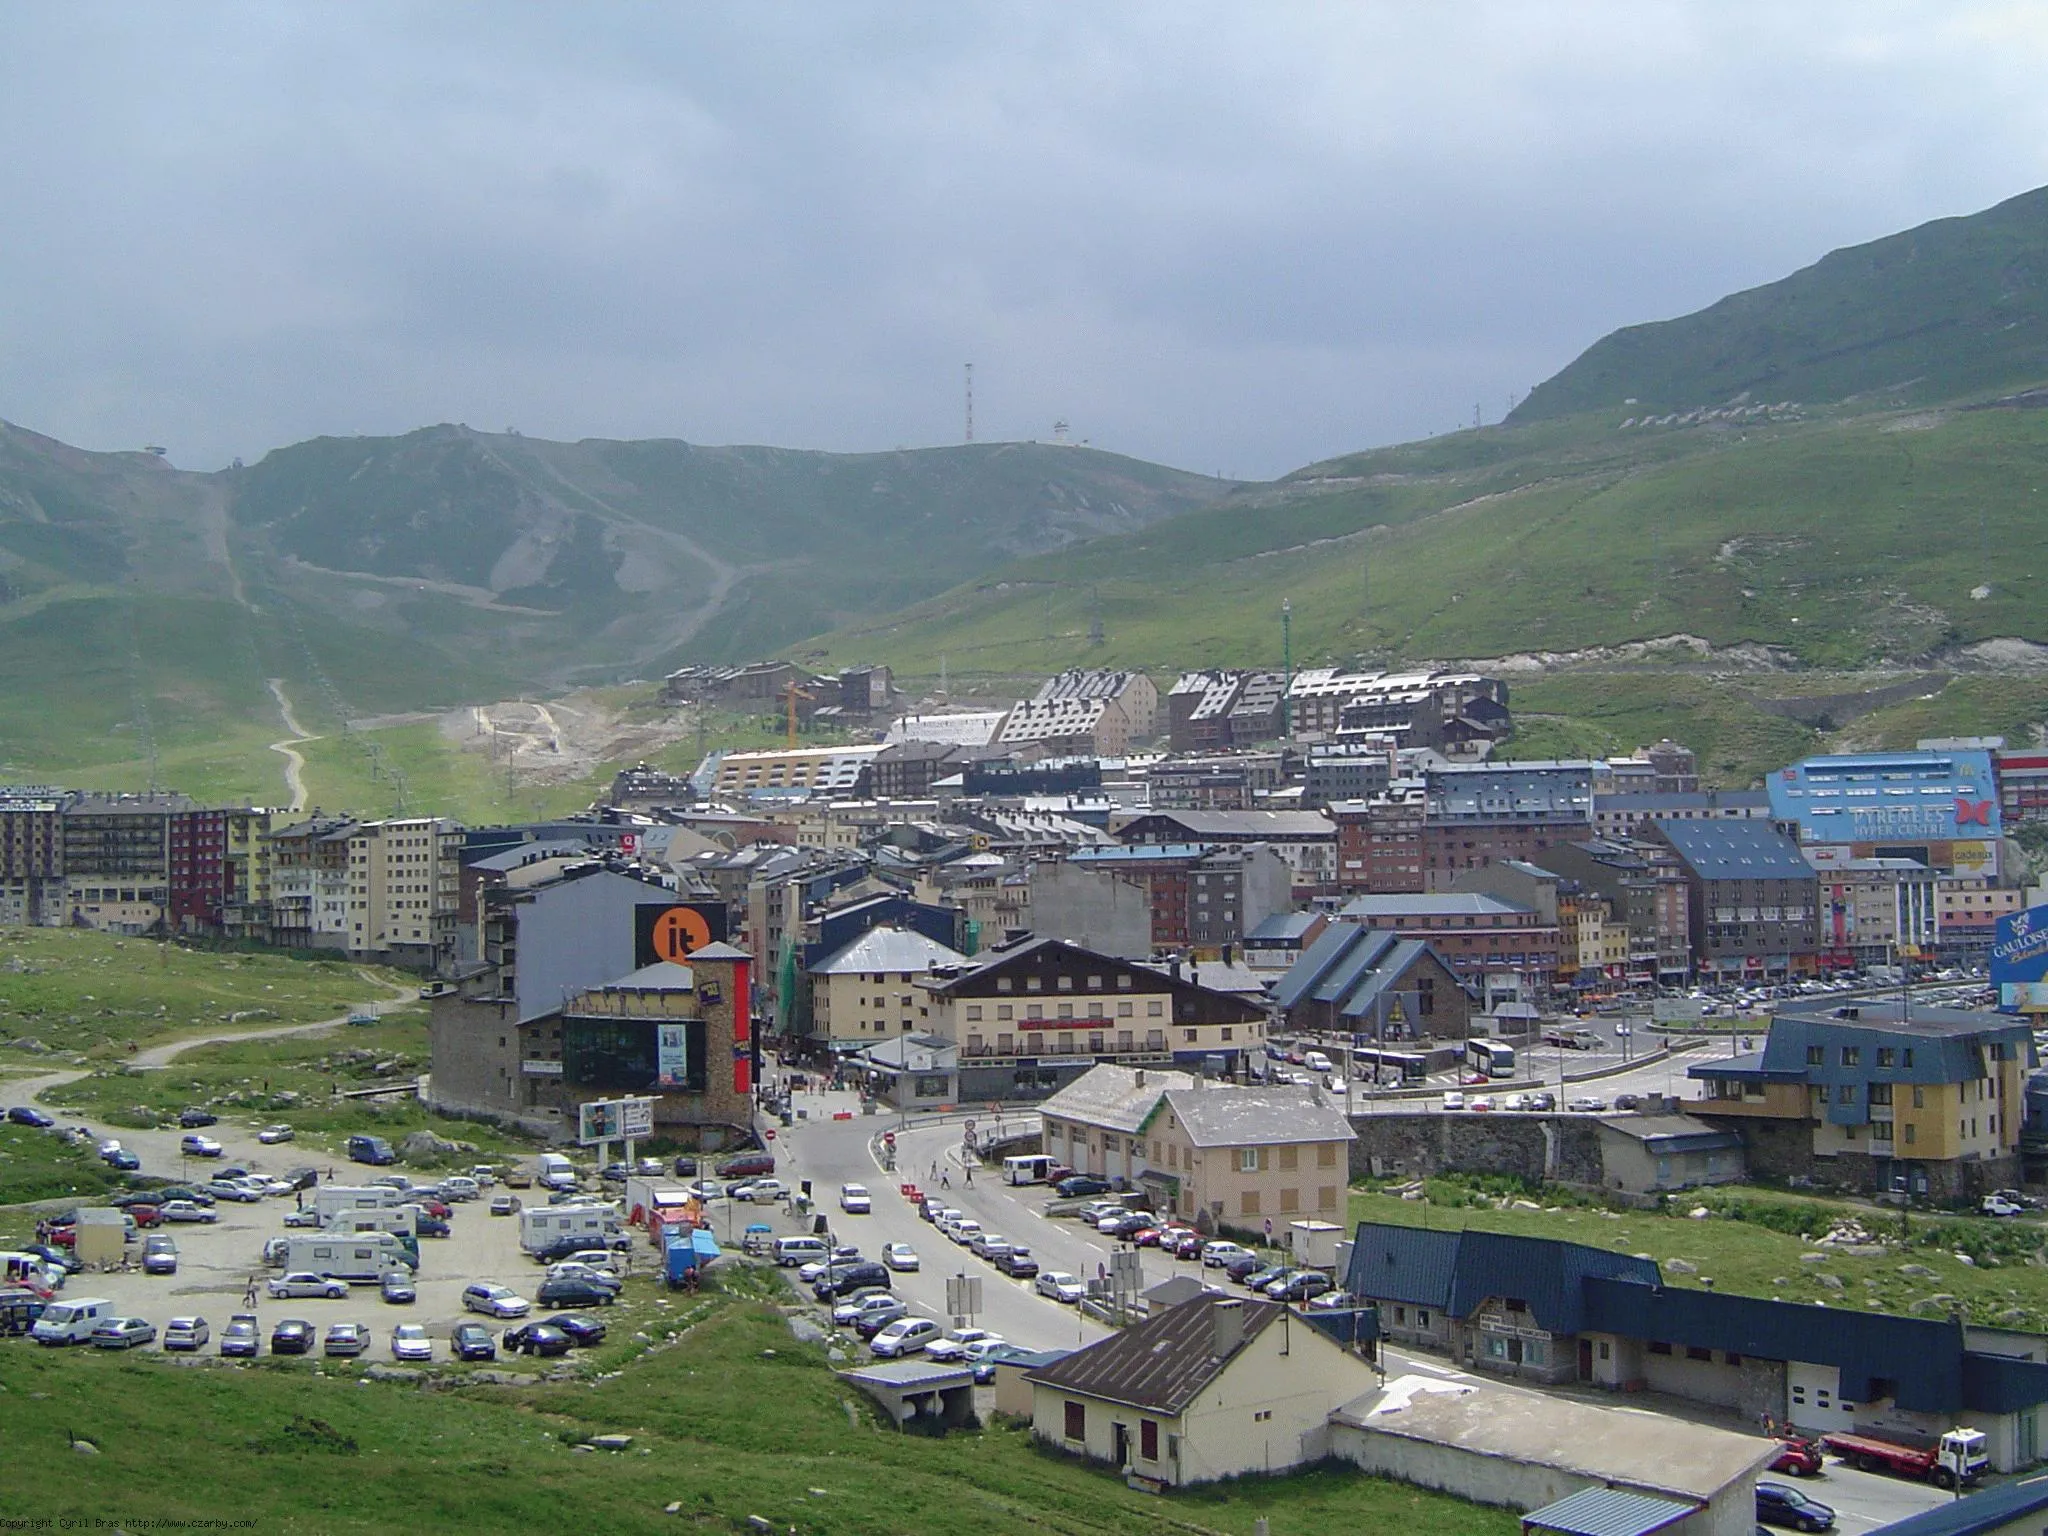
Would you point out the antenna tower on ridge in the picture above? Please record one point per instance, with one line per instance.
(970, 402)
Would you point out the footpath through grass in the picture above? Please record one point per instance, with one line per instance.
(76, 991)
(1754, 1242)
(735, 1419)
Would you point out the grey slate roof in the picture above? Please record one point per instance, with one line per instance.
(662, 976)
(1163, 1363)
(1736, 850)
(1116, 1098)
(1282, 926)
(900, 950)
(1672, 1133)
(1440, 904)
(1607, 1512)
(1257, 1117)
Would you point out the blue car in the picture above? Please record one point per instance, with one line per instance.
(22, 1114)
(124, 1160)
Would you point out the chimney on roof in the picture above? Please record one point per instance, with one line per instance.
(1226, 1324)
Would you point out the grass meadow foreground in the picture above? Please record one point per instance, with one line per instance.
(733, 1418)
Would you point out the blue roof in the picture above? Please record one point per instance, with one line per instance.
(1457, 1271)
(1990, 1510)
(1384, 977)
(1302, 976)
(1736, 850)
(1608, 1512)
(1282, 925)
(2003, 1384)
(1922, 1355)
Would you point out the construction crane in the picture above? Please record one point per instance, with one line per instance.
(790, 694)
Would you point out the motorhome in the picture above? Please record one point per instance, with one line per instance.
(360, 1257)
(331, 1199)
(1032, 1168)
(543, 1226)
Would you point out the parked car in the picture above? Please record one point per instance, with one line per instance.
(186, 1334)
(953, 1343)
(504, 1205)
(1305, 1286)
(900, 1257)
(583, 1331)
(397, 1288)
(574, 1291)
(1059, 1286)
(1781, 1504)
(345, 1341)
(1543, 1101)
(876, 1308)
(1215, 1255)
(905, 1336)
(1017, 1263)
(577, 1269)
(187, 1210)
(963, 1230)
(844, 1279)
(305, 1283)
(1257, 1279)
(495, 1301)
(1586, 1103)
(1454, 1100)
(302, 1218)
(473, 1341)
(196, 1145)
(271, 1135)
(767, 1191)
(122, 1160)
(123, 1333)
(686, 1167)
(431, 1226)
(1129, 1224)
(241, 1338)
(1080, 1184)
(160, 1254)
(409, 1341)
(537, 1338)
(1628, 1101)
(194, 1118)
(292, 1337)
(24, 1114)
(1182, 1243)
(232, 1189)
(747, 1164)
(1998, 1205)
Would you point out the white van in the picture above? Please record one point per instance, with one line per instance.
(1031, 1168)
(791, 1251)
(552, 1170)
(72, 1322)
(1316, 1061)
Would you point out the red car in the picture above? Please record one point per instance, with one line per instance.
(1184, 1243)
(1147, 1237)
(1797, 1455)
(146, 1215)
(434, 1208)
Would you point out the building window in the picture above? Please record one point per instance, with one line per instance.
(1248, 1203)
(1155, 1010)
(1290, 1159)
(1912, 1134)
(1906, 1056)
(1123, 1010)
(1852, 1055)
(1694, 1352)
(1885, 1055)
(1919, 1097)
(1815, 1056)
(1077, 1421)
(1033, 984)
(973, 1011)
(1247, 1159)
(1658, 1348)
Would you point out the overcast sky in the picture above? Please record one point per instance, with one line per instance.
(1233, 237)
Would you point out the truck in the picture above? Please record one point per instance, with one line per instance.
(1957, 1455)
(360, 1257)
(544, 1226)
(687, 1253)
(330, 1200)
(645, 1196)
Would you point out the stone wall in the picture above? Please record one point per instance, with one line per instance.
(1564, 1148)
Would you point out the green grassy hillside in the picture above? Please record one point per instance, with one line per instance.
(1955, 307)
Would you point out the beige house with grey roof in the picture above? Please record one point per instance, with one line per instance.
(1239, 1157)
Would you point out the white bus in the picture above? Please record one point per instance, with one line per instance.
(1490, 1058)
(1029, 1169)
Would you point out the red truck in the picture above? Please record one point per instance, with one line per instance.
(1957, 1455)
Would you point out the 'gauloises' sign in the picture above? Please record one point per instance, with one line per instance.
(2019, 956)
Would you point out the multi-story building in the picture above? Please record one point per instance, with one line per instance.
(1372, 983)
(795, 771)
(1419, 707)
(1877, 1095)
(405, 889)
(1348, 771)
(1379, 841)
(1646, 896)
(1032, 1016)
(1665, 769)
(1937, 807)
(202, 879)
(1485, 813)
(247, 852)
(864, 993)
(1198, 710)
(1203, 898)
(309, 883)
(1307, 840)
(1970, 907)
(1099, 714)
(1872, 910)
(31, 856)
(117, 860)
(1753, 900)
(1478, 936)
(1618, 814)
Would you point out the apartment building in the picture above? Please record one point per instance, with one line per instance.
(31, 857)
(1475, 934)
(405, 889)
(1034, 1015)
(117, 860)
(309, 883)
(865, 992)
(1095, 714)
(1872, 909)
(795, 771)
(1752, 898)
(1876, 1096)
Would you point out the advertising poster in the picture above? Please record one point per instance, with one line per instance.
(2019, 958)
(671, 1055)
(673, 930)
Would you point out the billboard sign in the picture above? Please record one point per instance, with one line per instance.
(614, 1120)
(671, 1055)
(674, 930)
(2019, 956)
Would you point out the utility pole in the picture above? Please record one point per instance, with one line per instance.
(970, 402)
(1287, 667)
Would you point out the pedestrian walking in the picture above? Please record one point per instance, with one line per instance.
(945, 1182)
(249, 1294)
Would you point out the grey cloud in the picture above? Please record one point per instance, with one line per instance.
(1234, 238)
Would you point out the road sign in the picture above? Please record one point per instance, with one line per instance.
(888, 1138)
(1269, 1226)
(970, 1125)
(770, 1134)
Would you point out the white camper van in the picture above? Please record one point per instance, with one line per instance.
(71, 1322)
(543, 1226)
(329, 1200)
(361, 1258)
